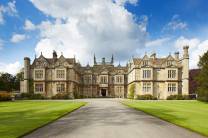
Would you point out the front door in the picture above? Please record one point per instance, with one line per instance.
(103, 92)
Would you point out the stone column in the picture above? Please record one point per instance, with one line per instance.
(185, 74)
(26, 74)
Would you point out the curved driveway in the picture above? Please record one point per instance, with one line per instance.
(107, 118)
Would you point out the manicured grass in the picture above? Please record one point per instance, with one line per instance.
(20, 117)
(189, 114)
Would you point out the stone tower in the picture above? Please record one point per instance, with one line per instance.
(185, 71)
(26, 74)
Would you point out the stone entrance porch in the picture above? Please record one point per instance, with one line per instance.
(103, 92)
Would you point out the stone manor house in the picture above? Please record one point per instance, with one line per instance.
(159, 77)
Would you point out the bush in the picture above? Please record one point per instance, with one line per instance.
(178, 97)
(203, 98)
(5, 96)
(131, 91)
(202, 95)
(146, 97)
(62, 95)
(31, 96)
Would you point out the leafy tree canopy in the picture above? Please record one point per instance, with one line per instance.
(202, 78)
(10, 82)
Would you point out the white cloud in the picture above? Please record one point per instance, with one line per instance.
(157, 42)
(89, 26)
(29, 25)
(11, 68)
(16, 38)
(182, 41)
(197, 48)
(9, 9)
(175, 24)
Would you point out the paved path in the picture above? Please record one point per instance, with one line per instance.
(107, 118)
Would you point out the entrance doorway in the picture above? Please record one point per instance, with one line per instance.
(103, 92)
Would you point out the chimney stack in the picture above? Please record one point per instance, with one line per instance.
(177, 55)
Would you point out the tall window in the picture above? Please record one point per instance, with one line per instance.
(146, 73)
(171, 87)
(146, 87)
(119, 79)
(39, 74)
(60, 74)
(171, 73)
(38, 87)
(103, 79)
(87, 79)
(60, 87)
(119, 90)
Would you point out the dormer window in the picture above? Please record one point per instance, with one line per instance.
(169, 63)
(145, 62)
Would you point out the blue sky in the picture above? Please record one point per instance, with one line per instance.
(124, 28)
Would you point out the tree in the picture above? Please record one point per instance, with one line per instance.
(202, 78)
(18, 78)
(193, 85)
(9, 82)
(6, 82)
(131, 91)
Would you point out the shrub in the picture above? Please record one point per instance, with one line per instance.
(5, 96)
(146, 97)
(31, 96)
(178, 97)
(37, 96)
(131, 91)
(62, 95)
(203, 98)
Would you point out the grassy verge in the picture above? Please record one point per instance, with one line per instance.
(20, 117)
(189, 114)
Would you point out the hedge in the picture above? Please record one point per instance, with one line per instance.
(31, 96)
(178, 97)
(62, 95)
(146, 97)
(5, 96)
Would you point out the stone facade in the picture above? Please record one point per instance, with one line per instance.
(159, 77)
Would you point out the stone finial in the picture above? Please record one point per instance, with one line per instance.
(112, 59)
(95, 62)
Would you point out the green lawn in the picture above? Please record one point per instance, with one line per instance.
(189, 114)
(20, 117)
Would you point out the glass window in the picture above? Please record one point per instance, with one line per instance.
(39, 74)
(169, 63)
(38, 87)
(146, 73)
(171, 87)
(60, 87)
(60, 74)
(171, 73)
(146, 87)
(145, 62)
